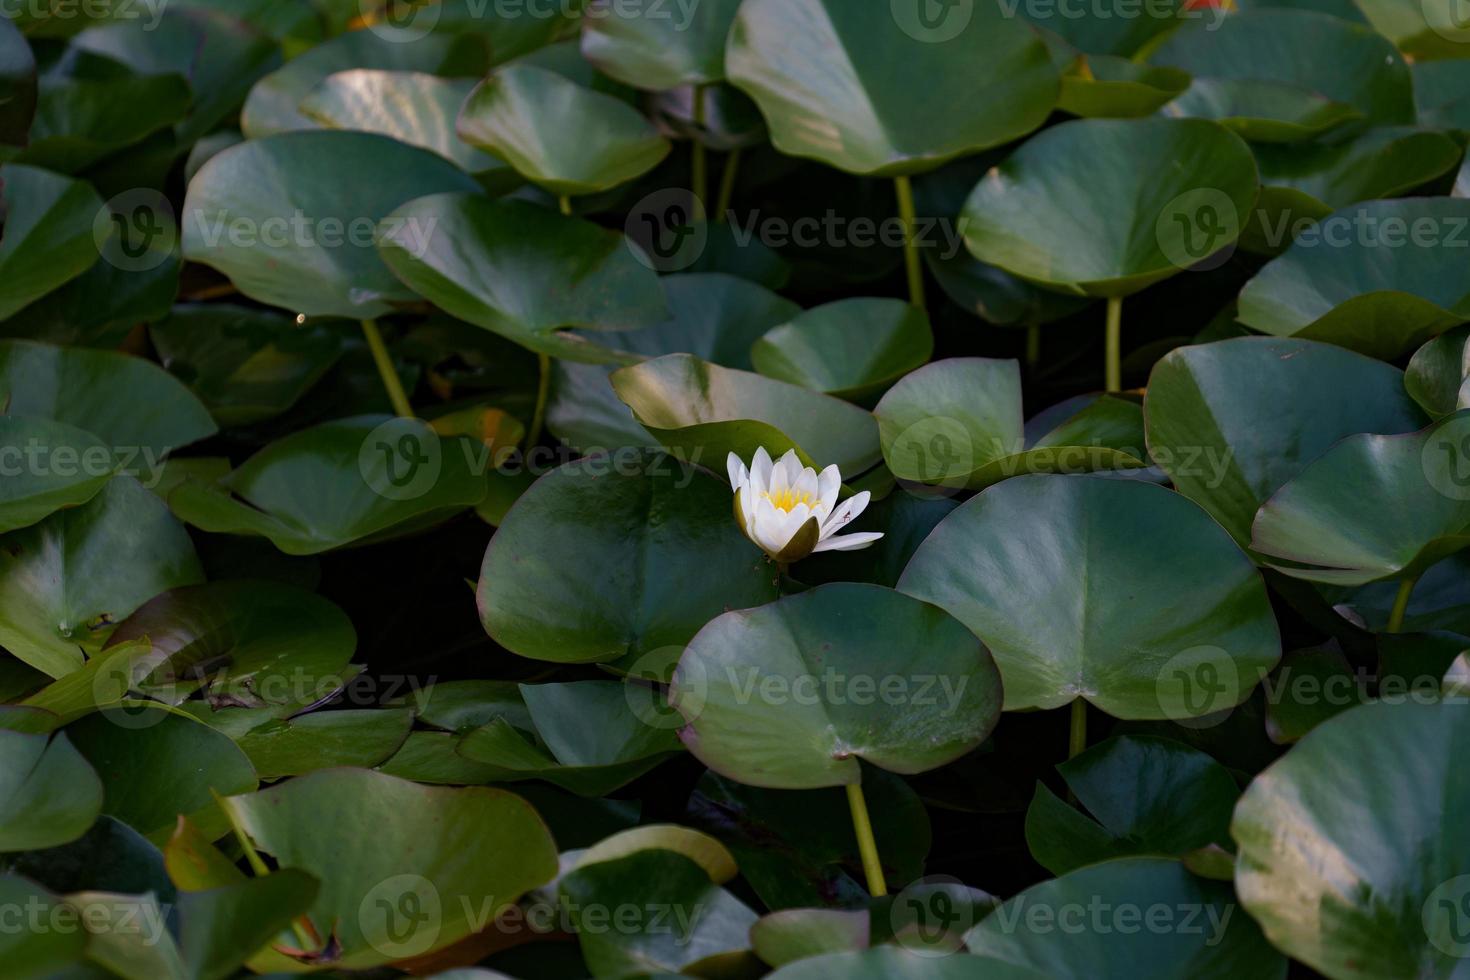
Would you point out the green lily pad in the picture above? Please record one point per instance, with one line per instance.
(1306, 50)
(995, 295)
(1440, 95)
(273, 105)
(1102, 86)
(797, 934)
(898, 963)
(156, 765)
(702, 849)
(1160, 195)
(246, 365)
(703, 412)
(67, 581)
(1373, 507)
(797, 847)
(850, 348)
(1424, 30)
(1309, 687)
(469, 853)
(415, 107)
(1046, 570)
(292, 220)
(337, 484)
(38, 952)
(131, 404)
(1380, 278)
(48, 233)
(800, 733)
(17, 86)
(588, 739)
(48, 466)
(716, 317)
(80, 121)
(957, 423)
(876, 94)
(252, 643)
(1340, 874)
(1438, 377)
(1144, 794)
(433, 758)
(51, 794)
(656, 49)
(458, 706)
(100, 307)
(1200, 936)
(1099, 30)
(222, 927)
(523, 272)
(1233, 421)
(324, 739)
(542, 594)
(598, 142)
(702, 923)
(1263, 111)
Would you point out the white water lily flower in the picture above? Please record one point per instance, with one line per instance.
(791, 510)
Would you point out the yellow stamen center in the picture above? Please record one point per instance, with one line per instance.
(787, 499)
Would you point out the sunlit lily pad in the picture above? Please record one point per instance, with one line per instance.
(1438, 377)
(337, 484)
(587, 739)
(1143, 794)
(1045, 570)
(1175, 192)
(416, 107)
(704, 412)
(432, 843)
(68, 580)
(598, 142)
(1381, 278)
(1373, 507)
(523, 272)
(51, 795)
(1339, 872)
(850, 348)
(957, 423)
(812, 735)
(653, 48)
(292, 218)
(48, 233)
(1233, 421)
(876, 94)
(1215, 941)
(587, 566)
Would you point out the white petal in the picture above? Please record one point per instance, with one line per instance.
(739, 475)
(847, 542)
(829, 481)
(760, 471)
(806, 483)
(789, 468)
(850, 509)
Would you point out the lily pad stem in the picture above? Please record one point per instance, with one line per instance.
(1033, 345)
(867, 846)
(301, 926)
(698, 163)
(543, 386)
(727, 186)
(1078, 740)
(1401, 604)
(910, 246)
(565, 203)
(1114, 354)
(396, 394)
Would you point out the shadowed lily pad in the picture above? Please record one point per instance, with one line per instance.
(51, 795)
(70, 467)
(48, 233)
(657, 49)
(850, 348)
(1438, 377)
